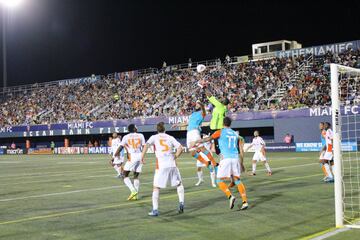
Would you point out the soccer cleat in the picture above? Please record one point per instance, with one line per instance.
(252, 174)
(199, 182)
(269, 173)
(153, 213)
(244, 206)
(135, 198)
(132, 196)
(119, 176)
(329, 180)
(232, 200)
(181, 208)
(213, 185)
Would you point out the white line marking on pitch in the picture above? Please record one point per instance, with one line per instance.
(330, 234)
(105, 188)
(75, 191)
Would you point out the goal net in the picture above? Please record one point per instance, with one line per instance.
(345, 96)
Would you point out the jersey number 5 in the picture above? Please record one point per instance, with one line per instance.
(164, 144)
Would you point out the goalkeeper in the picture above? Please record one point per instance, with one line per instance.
(218, 114)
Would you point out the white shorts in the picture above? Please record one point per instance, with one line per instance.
(134, 163)
(259, 156)
(167, 175)
(228, 167)
(118, 160)
(192, 136)
(327, 156)
(322, 155)
(132, 166)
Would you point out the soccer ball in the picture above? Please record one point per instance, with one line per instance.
(200, 68)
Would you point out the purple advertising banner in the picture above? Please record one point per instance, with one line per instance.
(241, 116)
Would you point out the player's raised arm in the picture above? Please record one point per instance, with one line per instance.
(203, 110)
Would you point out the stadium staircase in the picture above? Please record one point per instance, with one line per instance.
(294, 77)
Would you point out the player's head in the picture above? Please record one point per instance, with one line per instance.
(160, 127)
(321, 125)
(227, 122)
(114, 135)
(132, 128)
(256, 133)
(327, 125)
(225, 101)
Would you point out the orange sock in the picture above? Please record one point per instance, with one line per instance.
(225, 189)
(197, 156)
(324, 170)
(242, 191)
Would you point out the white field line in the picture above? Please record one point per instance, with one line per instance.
(86, 171)
(77, 178)
(74, 191)
(149, 162)
(105, 162)
(110, 187)
(330, 234)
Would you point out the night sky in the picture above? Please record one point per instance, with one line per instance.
(58, 39)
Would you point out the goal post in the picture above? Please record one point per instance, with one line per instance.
(345, 94)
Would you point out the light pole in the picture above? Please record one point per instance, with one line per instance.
(6, 6)
(4, 48)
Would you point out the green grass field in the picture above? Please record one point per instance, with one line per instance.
(77, 197)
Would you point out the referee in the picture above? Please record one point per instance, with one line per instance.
(218, 114)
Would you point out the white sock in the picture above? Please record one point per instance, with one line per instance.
(327, 168)
(155, 199)
(181, 192)
(136, 184)
(117, 169)
(254, 167)
(128, 183)
(212, 177)
(332, 168)
(200, 175)
(267, 166)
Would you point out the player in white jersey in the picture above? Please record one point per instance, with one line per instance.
(117, 161)
(133, 142)
(327, 156)
(166, 168)
(259, 155)
(201, 165)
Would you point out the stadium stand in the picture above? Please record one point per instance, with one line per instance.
(277, 83)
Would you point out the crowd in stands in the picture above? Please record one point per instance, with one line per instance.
(249, 87)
